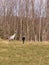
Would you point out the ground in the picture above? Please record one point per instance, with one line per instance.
(30, 53)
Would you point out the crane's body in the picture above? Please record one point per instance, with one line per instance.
(12, 37)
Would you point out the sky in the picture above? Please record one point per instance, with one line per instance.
(40, 8)
(36, 7)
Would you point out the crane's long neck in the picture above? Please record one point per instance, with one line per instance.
(15, 34)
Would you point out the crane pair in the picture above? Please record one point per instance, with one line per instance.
(13, 37)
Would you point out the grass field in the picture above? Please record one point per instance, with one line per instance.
(30, 53)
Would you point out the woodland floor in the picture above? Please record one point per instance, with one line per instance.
(30, 53)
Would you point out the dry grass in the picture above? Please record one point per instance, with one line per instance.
(30, 53)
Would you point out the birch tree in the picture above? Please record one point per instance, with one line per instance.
(40, 11)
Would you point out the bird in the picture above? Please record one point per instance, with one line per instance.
(23, 39)
(12, 37)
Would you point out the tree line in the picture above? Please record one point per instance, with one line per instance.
(26, 18)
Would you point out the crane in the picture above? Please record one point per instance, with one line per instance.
(12, 37)
(23, 39)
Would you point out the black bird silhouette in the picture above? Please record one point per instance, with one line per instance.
(23, 39)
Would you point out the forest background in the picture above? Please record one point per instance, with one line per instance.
(29, 18)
